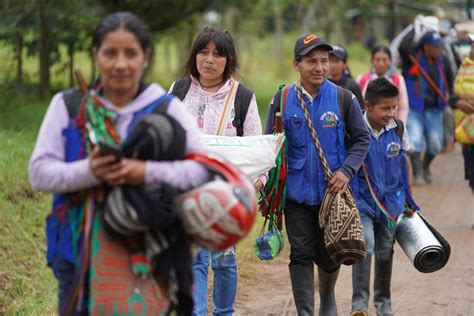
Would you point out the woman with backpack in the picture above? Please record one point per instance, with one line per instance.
(382, 67)
(220, 105)
(77, 158)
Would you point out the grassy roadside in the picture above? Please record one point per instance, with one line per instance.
(26, 285)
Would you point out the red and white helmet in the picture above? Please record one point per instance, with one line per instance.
(221, 212)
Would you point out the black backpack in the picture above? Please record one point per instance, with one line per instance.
(241, 105)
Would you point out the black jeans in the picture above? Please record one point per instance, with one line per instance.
(468, 154)
(305, 237)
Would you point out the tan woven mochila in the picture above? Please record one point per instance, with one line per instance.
(338, 215)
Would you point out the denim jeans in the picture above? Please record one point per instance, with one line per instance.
(224, 265)
(379, 238)
(426, 130)
(64, 272)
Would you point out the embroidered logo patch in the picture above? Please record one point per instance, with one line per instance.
(329, 119)
(393, 149)
(309, 38)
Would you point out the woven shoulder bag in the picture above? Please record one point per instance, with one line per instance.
(338, 216)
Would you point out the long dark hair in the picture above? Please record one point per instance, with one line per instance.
(127, 21)
(224, 45)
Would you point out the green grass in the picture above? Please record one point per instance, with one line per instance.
(27, 286)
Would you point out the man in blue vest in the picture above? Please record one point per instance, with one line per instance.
(306, 181)
(427, 99)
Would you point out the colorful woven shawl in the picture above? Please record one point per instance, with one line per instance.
(97, 254)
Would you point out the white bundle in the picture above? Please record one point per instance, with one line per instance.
(254, 155)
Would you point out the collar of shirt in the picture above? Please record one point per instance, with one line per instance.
(224, 89)
(376, 134)
(306, 93)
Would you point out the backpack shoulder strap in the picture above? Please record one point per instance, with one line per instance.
(395, 80)
(281, 97)
(400, 129)
(72, 98)
(364, 80)
(181, 87)
(243, 97)
(344, 98)
(162, 106)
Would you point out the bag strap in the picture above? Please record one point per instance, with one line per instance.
(228, 105)
(429, 80)
(400, 129)
(364, 81)
(279, 102)
(314, 135)
(243, 98)
(391, 221)
(395, 80)
(344, 99)
(181, 87)
(72, 99)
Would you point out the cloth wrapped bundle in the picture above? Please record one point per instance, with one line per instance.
(254, 155)
(424, 246)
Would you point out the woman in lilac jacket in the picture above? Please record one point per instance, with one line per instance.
(61, 163)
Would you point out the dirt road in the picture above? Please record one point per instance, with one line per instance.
(449, 206)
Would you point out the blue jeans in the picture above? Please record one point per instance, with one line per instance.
(379, 238)
(224, 265)
(426, 130)
(64, 272)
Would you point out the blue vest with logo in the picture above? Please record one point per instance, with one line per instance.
(383, 161)
(306, 181)
(66, 209)
(417, 85)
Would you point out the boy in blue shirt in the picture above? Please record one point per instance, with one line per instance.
(381, 199)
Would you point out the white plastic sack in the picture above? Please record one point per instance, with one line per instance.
(254, 155)
(422, 25)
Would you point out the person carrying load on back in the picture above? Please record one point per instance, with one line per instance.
(429, 82)
(334, 112)
(220, 105)
(382, 67)
(66, 162)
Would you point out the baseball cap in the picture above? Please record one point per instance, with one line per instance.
(308, 42)
(340, 52)
(432, 38)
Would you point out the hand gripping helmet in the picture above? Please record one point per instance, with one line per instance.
(220, 212)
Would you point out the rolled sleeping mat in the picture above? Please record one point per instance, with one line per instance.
(426, 248)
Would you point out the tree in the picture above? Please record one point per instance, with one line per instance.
(43, 46)
(16, 19)
(158, 14)
(75, 22)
